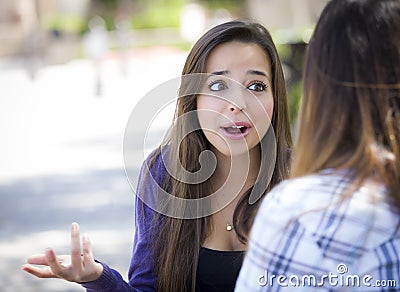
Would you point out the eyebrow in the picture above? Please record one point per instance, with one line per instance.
(257, 72)
(223, 72)
(251, 72)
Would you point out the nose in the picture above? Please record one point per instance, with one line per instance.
(235, 108)
(237, 103)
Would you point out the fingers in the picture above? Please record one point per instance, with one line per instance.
(54, 263)
(92, 268)
(41, 259)
(49, 260)
(76, 260)
(37, 259)
(87, 250)
(82, 267)
(39, 272)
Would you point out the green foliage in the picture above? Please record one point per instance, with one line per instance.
(283, 50)
(292, 55)
(64, 22)
(110, 4)
(158, 13)
(109, 20)
(294, 100)
(231, 5)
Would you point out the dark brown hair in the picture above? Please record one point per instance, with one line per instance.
(350, 114)
(177, 241)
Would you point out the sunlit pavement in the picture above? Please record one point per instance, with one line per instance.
(61, 159)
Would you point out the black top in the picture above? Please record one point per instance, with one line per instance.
(218, 270)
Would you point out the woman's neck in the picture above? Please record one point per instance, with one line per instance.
(239, 167)
(231, 178)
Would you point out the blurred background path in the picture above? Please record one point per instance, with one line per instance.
(61, 159)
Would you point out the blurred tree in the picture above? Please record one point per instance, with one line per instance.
(109, 3)
(143, 13)
(236, 7)
(157, 13)
(292, 57)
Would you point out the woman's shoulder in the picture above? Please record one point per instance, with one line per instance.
(327, 202)
(151, 183)
(317, 188)
(154, 164)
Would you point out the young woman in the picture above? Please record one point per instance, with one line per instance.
(232, 104)
(335, 225)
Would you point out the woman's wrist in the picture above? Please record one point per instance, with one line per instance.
(96, 273)
(98, 270)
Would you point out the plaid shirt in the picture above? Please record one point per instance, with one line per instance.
(306, 237)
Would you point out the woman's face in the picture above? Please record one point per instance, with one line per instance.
(237, 105)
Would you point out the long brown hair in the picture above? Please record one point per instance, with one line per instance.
(350, 114)
(177, 241)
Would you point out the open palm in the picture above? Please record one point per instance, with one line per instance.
(78, 267)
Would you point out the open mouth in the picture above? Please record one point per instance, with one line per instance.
(236, 131)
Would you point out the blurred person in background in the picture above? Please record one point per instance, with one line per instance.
(178, 253)
(339, 214)
(95, 44)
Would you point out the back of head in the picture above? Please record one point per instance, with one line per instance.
(350, 116)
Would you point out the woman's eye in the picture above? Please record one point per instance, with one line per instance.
(217, 86)
(257, 86)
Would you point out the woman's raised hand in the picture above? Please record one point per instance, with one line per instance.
(77, 267)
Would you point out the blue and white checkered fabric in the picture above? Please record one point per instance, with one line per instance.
(315, 234)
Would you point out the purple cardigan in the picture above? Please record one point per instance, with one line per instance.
(141, 270)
